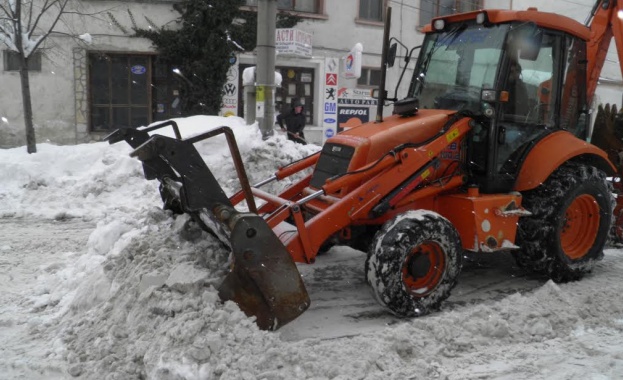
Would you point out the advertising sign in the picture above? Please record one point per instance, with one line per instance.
(355, 105)
(349, 117)
(293, 42)
(329, 120)
(230, 93)
(352, 62)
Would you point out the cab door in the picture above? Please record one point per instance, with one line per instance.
(523, 117)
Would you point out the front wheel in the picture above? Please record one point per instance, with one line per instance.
(413, 263)
(570, 222)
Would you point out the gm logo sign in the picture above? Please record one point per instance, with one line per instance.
(330, 108)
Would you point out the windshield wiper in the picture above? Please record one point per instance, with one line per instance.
(453, 34)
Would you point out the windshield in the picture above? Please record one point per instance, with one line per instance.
(455, 65)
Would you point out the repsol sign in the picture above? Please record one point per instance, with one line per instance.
(348, 117)
(354, 111)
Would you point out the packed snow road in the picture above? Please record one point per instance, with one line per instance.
(32, 252)
(343, 305)
(493, 302)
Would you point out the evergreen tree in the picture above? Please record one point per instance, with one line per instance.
(210, 32)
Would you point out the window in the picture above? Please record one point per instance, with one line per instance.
(11, 61)
(435, 8)
(308, 6)
(371, 10)
(369, 78)
(165, 91)
(574, 83)
(119, 91)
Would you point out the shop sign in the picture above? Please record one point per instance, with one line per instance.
(293, 42)
(349, 117)
(330, 97)
(138, 69)
(230, 92)
(352, 62)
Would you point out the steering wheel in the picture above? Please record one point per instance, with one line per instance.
(459, 98)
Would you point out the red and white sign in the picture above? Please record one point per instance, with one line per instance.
(331, 79)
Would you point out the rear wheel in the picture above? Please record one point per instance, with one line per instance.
(570, 222)
(413, 263)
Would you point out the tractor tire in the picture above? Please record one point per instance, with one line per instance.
(413, 263)
(570, 223)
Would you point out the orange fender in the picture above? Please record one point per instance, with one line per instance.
(553, 151)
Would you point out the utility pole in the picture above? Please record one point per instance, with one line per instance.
(265, 71)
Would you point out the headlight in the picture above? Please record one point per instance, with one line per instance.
(439, 24)
(481, 18)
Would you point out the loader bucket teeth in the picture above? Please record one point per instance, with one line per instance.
(264, 281)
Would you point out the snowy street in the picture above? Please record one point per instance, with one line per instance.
(97, 282)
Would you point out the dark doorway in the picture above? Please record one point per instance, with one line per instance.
(297, 82)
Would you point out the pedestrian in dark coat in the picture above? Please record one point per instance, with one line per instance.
(294, 123)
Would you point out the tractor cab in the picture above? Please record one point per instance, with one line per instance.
(519, 80)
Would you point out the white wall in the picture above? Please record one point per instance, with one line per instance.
(53, 89)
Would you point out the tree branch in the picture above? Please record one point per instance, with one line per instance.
(9, 14)
(44, 9)
(30, 14)
(62, 5)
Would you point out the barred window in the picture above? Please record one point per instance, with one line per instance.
(435, 8)
(307, 6)
(369, 77)
(12, 59)
(371, 10)
(119, 90)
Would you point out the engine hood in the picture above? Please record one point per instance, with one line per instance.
(372, 140)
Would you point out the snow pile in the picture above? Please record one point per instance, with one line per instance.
(142, 297)
(64, 183)
(152, 298)
(92, 180)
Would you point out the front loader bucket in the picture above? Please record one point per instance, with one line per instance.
(263, 281)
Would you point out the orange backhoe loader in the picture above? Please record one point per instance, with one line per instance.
(475, 157)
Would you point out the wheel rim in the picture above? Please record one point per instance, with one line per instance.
(423, 268)
(580, 226)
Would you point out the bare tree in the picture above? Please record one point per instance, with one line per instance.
(24, 26)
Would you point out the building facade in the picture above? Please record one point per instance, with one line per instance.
(83, 90)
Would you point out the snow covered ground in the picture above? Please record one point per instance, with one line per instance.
(97, 282)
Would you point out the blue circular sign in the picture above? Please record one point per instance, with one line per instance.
(329, 120)
(329, 132)
(138, 69)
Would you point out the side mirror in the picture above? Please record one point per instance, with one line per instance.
(376, 94)
(527, 39)
(391, 54)
(531, 46)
